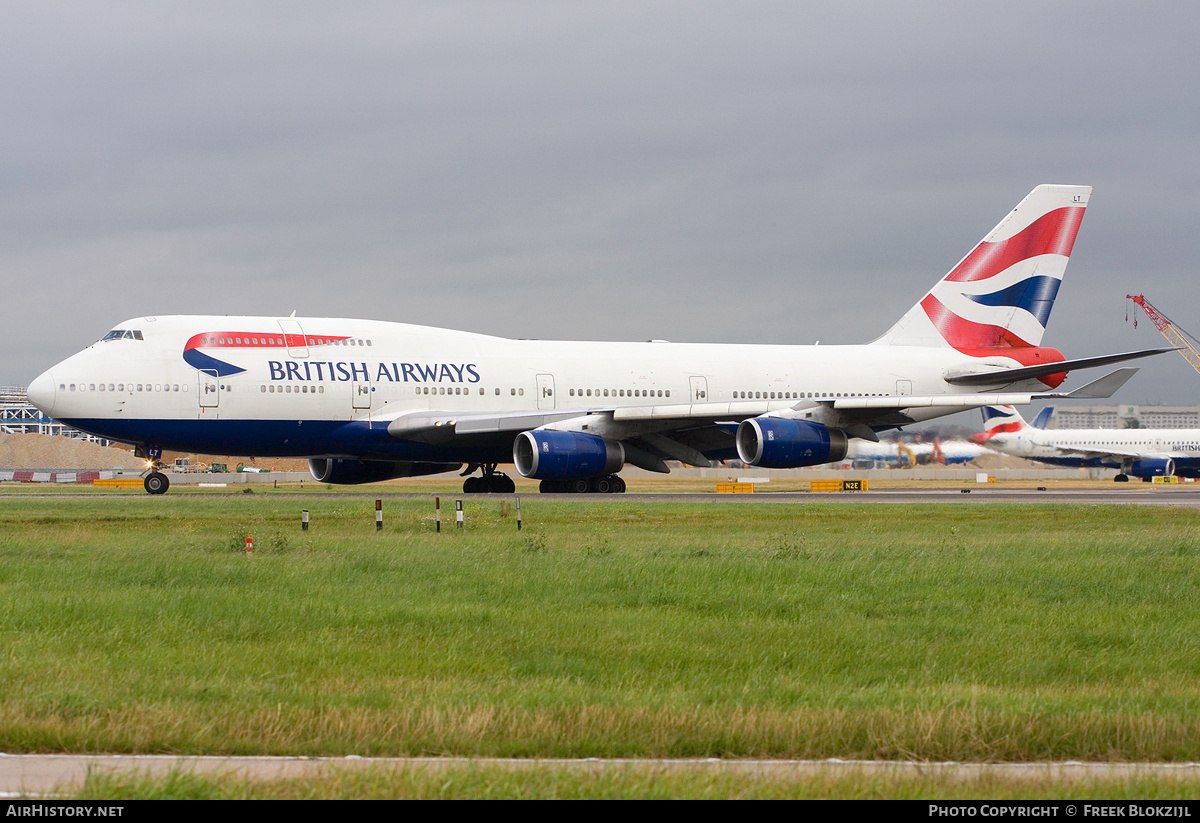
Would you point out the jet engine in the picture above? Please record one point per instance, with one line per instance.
(554, 455)
(1152, 467)
(781, 443)
(349, 472)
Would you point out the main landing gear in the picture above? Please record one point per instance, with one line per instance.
(155, 481)
(605, 484)
(492, 481)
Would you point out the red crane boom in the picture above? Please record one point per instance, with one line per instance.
(1175, 335)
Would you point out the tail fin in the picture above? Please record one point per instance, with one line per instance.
(999, 296)
(999, 420)
(1043, 418)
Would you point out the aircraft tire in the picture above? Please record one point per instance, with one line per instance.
(1121, 478)
(156, 483)
(618, 484)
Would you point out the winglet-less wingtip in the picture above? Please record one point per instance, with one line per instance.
(1106, 386)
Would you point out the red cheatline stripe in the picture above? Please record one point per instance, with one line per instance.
(257, 340)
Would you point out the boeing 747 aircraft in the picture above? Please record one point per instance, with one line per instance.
(366, 401)
(1144, 453)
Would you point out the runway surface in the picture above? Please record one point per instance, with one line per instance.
(1136, 494)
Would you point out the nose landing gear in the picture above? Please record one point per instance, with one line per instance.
(155, 481)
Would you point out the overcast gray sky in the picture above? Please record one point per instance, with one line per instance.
(750, 172)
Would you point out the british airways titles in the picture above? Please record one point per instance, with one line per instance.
(343, 371)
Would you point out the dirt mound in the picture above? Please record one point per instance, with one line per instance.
(43, 451)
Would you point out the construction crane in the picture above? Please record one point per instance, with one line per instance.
(1176, 336)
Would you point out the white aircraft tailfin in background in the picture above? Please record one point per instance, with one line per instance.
(1043, 418)
(1000, 295)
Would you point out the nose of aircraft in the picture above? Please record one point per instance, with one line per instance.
(41, 393)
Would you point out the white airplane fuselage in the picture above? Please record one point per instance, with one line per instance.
(346, 379)
(1140, 452)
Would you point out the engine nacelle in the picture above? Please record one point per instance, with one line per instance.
(1152, 467)
(781, 443)
(349, 472)
(553, 455)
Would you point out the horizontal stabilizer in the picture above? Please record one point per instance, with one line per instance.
(1106, 386)
(1002, 376)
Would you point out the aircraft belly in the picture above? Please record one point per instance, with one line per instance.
(292, 438)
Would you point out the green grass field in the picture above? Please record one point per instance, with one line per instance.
(602, 629)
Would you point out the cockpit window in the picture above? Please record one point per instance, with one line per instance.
(122, 334)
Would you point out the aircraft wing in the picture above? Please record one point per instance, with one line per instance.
(696, 433)
(623, 421)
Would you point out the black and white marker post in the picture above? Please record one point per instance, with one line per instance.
(378, 515)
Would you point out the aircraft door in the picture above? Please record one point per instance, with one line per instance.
(545, 391)
(699, 387)
(293, 335)
(362, 395)
(903, 388)
(210, 389)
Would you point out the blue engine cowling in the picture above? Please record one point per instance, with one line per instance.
(780, 443)
(349, 472)
(1152, 467)
(551, 455)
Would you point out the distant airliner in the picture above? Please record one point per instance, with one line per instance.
(944, 452)
(1144, 453)
(366, 401)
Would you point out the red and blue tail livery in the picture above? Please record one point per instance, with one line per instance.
(997, 300)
